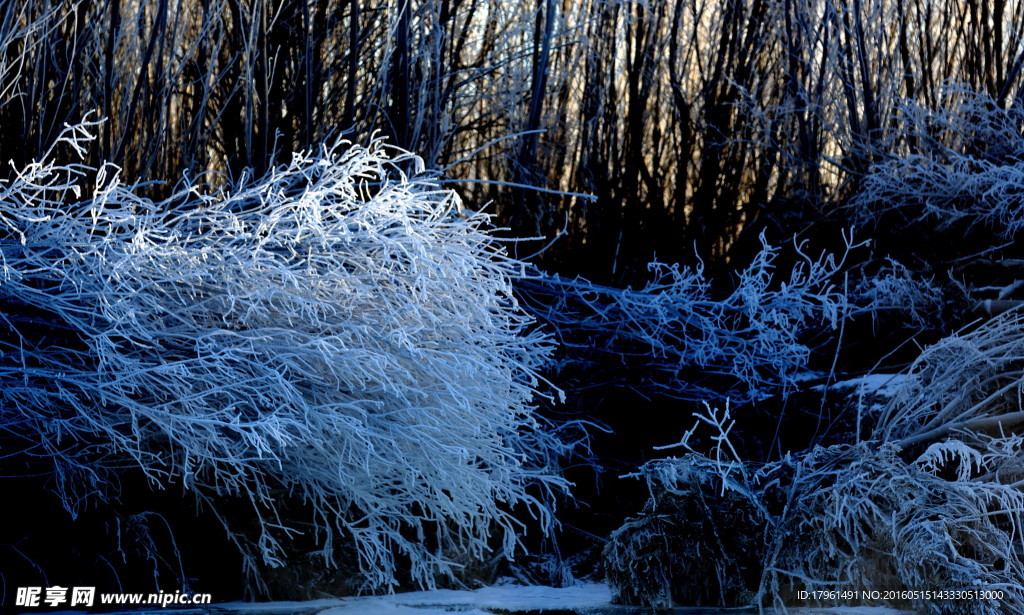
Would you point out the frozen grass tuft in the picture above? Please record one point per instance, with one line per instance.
(337, 332)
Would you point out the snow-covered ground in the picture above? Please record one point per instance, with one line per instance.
(585, 599)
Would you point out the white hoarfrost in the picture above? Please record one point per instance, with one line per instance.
(337, 332)
(694, 345)
(931, 501)
(964, 170)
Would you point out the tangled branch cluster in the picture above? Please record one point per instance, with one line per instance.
(691, 343)
(962, 167)
(335, 332)
(932, 500)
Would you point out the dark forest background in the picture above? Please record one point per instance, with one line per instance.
(672, 128)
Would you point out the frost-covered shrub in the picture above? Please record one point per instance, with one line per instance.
(932, 501)
(966, 382)
(692, 544)
(687, 341)
(335, 332)
(704, 534)
(917, 298)
(865, 517)
(962, 167)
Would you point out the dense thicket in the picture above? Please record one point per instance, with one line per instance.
(931, 495)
